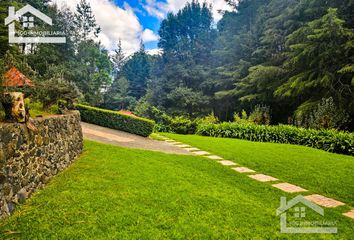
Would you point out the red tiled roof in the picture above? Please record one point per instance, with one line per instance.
(14, 78)
(127, 113)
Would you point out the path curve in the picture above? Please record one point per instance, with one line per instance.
(124, 139)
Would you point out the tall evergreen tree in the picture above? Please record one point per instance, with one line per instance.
(187, 39)
(118, 60)
(85, 21)
(320, 63)
(137, 70)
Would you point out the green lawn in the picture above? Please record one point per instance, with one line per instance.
(117, 193)
(316, 170)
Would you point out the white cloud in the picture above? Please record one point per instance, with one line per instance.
(155, 8)
(122, 23)
(156, 51)
(149, 36)
(116, 23)
(160, 9)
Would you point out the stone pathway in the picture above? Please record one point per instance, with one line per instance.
(243, 170)
(213, 157)
(263, 178)
(227, 163)
(349, 214)
(284, 186)
(290, 188)
(324, 201)
(192, 149)
(183, 146)
(201, 153)
(123, 139)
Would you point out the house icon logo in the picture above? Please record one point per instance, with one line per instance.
(28, 23)
(300, 213)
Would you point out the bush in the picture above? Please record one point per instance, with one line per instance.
(115, 120)
(145, 109)
(164, 122)
(260, 115)
(328, 140)
(211, 118)
(241, 118)
(327, 115)
(183, 125)
(51, 91)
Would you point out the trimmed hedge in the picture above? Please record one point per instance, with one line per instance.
(116, 120)
(328, 140)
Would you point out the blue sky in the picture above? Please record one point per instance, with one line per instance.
(133, 21)
(146, 20)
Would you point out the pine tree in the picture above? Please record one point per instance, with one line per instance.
(85, 21)
(118, 60)
(320, 62)
(187, 39)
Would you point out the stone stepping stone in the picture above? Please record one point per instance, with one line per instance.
(349, 214)
(183, 145)
(243, 170)
(192, 149)
(324, 201)
(263, 178)
(162, 137)
(213, 157)
(201, 153)
(227, 163)
(290, 188)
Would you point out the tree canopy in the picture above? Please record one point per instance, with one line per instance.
(294, 58)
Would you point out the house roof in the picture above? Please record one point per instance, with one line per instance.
(125, 112)
(26, 9)
(14, 78)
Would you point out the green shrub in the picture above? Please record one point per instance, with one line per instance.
(211, 118)
(328, 140)
(115, 120)
(36, 108)
(241, 118)
(260, 115)
(166, 123)
(183, 125)
(145, 109)
(327, 115)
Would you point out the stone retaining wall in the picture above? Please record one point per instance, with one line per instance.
(28, 160)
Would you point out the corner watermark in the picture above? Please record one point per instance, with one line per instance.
(301, 225)
(28, 23)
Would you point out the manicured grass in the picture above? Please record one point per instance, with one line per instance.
(116, 193)
(316, 170)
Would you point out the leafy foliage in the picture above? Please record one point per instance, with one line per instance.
(327, 116)
(80, 65)
(181, 76)
(260, 115)
(137, 71)
(56, 88)
(117, 97)
(85, 21)
(328, 140)
(287, 55)
(116, 120)
(166, 123)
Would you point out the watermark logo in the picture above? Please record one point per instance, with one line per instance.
(298, 206)
(28, 23)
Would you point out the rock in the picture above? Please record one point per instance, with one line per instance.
(22, 196)
(28, 160)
